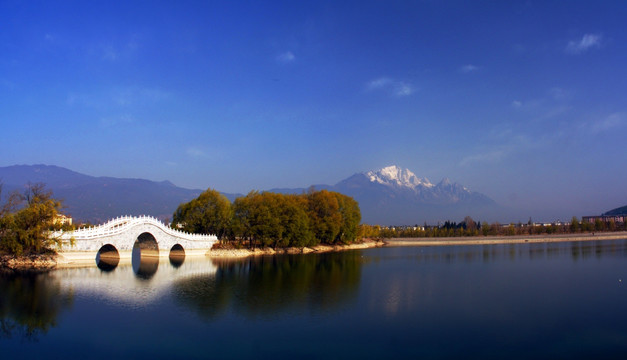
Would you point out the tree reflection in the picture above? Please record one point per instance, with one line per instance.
(261, 286)
(30, 303)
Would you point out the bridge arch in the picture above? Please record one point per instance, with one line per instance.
(146, 244)
(108, 257)
(152, 237)
(177, 255)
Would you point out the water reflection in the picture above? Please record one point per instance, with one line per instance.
(107, 265)
(435, 277)
(266, 286)
(515, 252)
(561, 300)
(177, 255)
(107, 257)
(145, 256)
(145, 267)
(30, 304)
(138, 284)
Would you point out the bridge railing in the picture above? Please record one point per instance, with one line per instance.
(122, 223)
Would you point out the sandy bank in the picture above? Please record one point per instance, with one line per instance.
(241, 253)
(488, 240)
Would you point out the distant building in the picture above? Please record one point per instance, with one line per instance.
(63, 220)
(618, 219)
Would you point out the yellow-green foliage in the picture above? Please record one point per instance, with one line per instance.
(275, 220)
(27, 222)
(209, 213)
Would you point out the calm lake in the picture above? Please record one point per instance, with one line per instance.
(554, 300)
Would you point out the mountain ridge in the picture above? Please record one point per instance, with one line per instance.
(388, 196)
(97, 199)
(618, 211)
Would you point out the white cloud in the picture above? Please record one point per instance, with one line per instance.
(119, 97)
(286, 57)
(109, 53)
(201, 152)
(488, 157)
(587, 42)
(79, 99)
(559, 94)
(468, 68)
(119, 120)
(391, 86)
(554, 103)
(196, 152)
(139, 96)
(611, 122)
(378, 83)
(505, 143)
(118, 51)
(403, 89)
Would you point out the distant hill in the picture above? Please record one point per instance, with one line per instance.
(618, 211)
(97, 199)
(396, 196)
(389, 196)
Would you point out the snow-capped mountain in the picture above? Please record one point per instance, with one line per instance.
(394, 195)
(402, 181)
(396, 176)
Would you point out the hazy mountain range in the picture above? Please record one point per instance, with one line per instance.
(97, 199)
(393, 195)
(388, 196)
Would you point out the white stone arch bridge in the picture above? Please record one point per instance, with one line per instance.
(123, 233)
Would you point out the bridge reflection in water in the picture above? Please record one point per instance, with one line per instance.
(139, 280)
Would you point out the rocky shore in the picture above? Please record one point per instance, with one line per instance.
(241, 253)
(31, 262)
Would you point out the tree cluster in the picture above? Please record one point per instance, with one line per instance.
(469, 227)
(28, 221)
(273, 220)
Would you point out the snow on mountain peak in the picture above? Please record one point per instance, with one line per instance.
(394, 175)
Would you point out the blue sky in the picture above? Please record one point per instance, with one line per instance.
(523, 101)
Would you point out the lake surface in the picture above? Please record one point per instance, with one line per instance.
(554, 300)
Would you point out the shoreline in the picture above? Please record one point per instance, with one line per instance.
(514, 239)
(243, 253)
(43, 262)
(48, 262)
